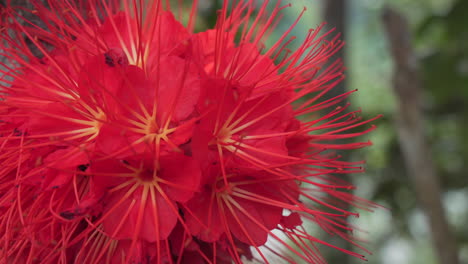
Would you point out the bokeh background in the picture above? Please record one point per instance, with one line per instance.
(437, 31)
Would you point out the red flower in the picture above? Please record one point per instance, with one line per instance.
(127, 138)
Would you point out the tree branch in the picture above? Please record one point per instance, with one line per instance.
(410, 126)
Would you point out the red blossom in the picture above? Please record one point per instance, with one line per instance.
(126, 137)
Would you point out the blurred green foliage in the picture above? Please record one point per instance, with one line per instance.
(441, 39)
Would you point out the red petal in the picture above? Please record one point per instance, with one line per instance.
(203, 217)
(291, 221)
(178, 89)
(183, 175)
(245, 229)
(156, 222)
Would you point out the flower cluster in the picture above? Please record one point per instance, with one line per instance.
(125, 137)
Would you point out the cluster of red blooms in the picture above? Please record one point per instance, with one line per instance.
(125, 137)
